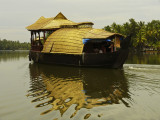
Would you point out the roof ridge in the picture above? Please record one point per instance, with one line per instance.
(60, 16)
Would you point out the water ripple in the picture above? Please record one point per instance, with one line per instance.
(62, 90)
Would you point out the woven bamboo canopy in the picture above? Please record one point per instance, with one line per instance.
(70, 40)
(66, 40)
(53, 23)
(100, 34)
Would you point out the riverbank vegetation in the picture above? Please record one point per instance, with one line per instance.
(145, 36)
(13, 45)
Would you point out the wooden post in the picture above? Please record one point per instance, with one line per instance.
(35, 35)
(39, 35)
(32, 39)
(115, 49)
(44, 36)
(31, 36)
(112, 46)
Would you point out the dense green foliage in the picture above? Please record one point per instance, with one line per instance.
(13, 45)
(144, 35)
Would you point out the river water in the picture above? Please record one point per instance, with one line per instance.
(30, 91)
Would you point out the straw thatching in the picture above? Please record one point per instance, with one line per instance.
(69, 40)
(60, 21)
(39, 24)
(66, 40)
(50, 23)
(99, 34)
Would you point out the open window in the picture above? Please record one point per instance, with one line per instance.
(101, 45)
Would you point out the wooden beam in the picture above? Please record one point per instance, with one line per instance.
(31, 37)
(115, 48)
(39, 35)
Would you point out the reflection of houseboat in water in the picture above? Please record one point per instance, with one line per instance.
(69, 43)
(62, 87)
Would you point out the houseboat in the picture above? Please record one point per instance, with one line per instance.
(57, 40)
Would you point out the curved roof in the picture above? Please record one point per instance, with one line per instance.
(100, 34)
(70, 40)
(66, 40)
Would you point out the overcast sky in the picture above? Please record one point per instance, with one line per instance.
(15, 15)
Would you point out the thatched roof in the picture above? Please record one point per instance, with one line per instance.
(50, 23)
(66, 40)
(70, 40)
(59, 21)
(81, 23)
(100, 34)
(40, 23)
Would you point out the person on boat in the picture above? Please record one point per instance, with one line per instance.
(96, 50)
(100, 51)
(103, 49)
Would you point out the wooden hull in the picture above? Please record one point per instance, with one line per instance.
(108, 60)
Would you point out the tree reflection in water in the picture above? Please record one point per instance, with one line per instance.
(85, 87)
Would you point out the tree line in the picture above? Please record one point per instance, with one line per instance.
(144, 35)
(13, 45)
